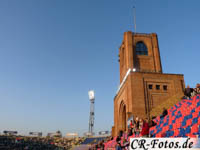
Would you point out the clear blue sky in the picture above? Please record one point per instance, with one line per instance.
(53, 51)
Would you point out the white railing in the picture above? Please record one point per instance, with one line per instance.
(123, 81)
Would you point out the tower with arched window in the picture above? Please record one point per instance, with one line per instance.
(139, 52)
(143, 85)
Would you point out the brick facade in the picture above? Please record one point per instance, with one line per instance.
(143, 86)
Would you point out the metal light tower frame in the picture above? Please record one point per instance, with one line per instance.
(91, 119)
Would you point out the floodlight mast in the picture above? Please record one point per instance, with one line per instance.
(91, 119)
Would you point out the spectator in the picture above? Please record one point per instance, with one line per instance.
(152, 123)
(130, 132)
(188, 92)
(118, 139)
(145, 129)
(165, 112)
(140, 125)
(102, 145)
(131, 124)
(120, 133)
(137, 124)
(118, 146)
(125, 144)
(197, 89)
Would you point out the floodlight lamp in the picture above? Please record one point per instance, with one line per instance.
(91, 94)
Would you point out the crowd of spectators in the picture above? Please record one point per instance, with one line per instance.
(190, 92)
(99, 145)
(25, 143)
(137, 128)
(37, 143)
(68, 143)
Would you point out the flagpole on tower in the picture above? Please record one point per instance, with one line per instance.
(134, 16)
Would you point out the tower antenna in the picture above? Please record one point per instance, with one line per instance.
(134, 16)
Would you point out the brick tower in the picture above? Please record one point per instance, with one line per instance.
(143, 85)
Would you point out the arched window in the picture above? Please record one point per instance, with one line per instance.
(141, 49)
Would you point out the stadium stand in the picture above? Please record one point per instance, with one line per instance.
(182, 120)
(37, 143)
(19, 143)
